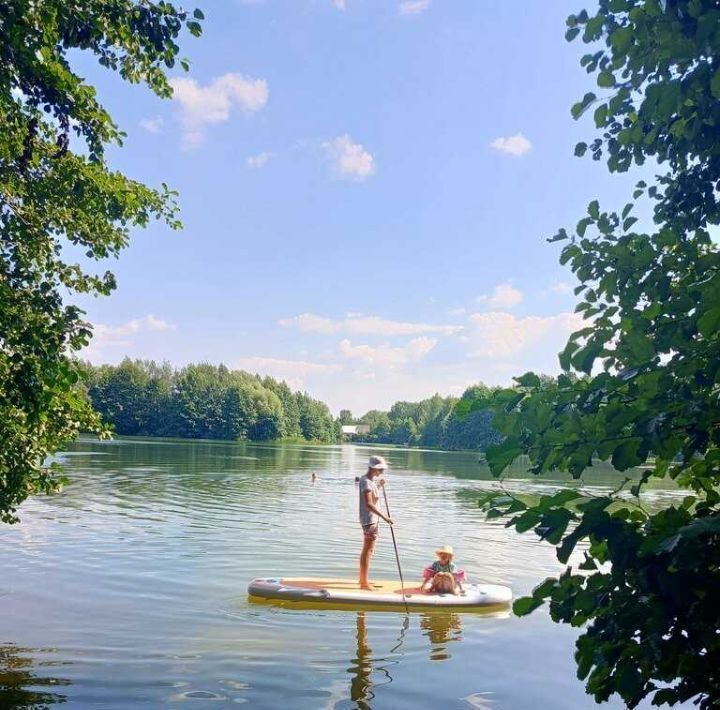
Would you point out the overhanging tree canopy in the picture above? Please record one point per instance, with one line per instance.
(56, 190)
(650, 360)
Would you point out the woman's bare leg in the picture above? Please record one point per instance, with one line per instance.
(365, 558)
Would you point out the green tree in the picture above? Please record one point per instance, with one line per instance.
(648, 365)
(316, 421)
(291, 411)
(203, 404)
(119, 395)
(56, 189)
(379, 423)
(345, 417)
(469, 426)
(203, 401)
(441, 422)
(135, 397)
(265, 405)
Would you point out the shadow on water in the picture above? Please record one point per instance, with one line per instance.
(20, 686)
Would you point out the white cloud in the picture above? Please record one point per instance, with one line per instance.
(152, 125)
(502, 336)
(106, 337)
(561, 287)
(340, 4)
(201, 106)
(503, 296)
(388, 355)
(414, 7)
(364, 325)
(514, 145)
(362, 373)
(118, 334)
(278, 367)
(349, 160)
(257, 161)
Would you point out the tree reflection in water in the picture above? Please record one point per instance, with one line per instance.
(441, 627)
(20, 687)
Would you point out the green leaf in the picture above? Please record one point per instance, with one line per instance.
(545, 589)
(702, 527)
(560, 236)
(529, 379)
(709, 323)
(581, 227)
(501, 456)
(198, 14)
(584, 359)
(554, 524)
(579, 108)
(525, 605)
(600, 115)
(572, 33)
(666, 696)
(715, 84)
(606, 79)
(629, 223)
(568, 544)
(626, 455)
(621, 39)
(565, 496)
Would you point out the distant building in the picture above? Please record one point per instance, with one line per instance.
(350, 430)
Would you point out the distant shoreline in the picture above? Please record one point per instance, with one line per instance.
(85, 436)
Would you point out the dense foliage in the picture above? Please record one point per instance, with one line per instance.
(57, 191)
(142, 398)
(437, 422)
(647, 591)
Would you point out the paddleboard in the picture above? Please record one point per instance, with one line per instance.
(384, 593)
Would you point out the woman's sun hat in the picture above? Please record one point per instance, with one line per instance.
(445, 550)
(378, 462)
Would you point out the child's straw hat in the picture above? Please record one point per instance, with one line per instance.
(445, 550)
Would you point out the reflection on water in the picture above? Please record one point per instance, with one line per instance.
(21, 687)
(361, 668)
(136, 576)
(368, 671)
(441, 628)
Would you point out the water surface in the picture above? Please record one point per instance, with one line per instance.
(128, 589)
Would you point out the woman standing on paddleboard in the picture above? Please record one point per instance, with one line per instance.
(370, 513)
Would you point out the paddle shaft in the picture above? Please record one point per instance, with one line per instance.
(397, 556)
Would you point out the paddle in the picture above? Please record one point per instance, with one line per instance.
(397, 556)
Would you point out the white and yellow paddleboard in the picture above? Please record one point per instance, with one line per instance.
(383, 593)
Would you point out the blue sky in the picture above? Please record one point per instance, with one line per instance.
(366, 188)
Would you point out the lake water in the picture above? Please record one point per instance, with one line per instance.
(128, 589)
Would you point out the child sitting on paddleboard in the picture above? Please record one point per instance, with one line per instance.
(443, 575)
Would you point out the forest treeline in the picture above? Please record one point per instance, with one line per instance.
(145, 398)
(437, 422)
